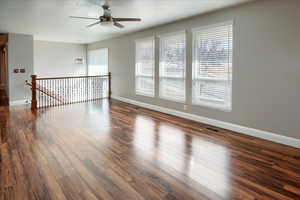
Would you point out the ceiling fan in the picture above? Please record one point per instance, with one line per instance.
(107, 18)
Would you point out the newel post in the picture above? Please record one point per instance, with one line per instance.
(109, 85)
(33, 98)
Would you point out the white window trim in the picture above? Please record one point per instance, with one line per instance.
(163, 35)
(211, 26)
(195, 31)
(152, 38)
(144, 39)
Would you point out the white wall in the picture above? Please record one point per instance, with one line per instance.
(54, 59)
(266, 72)
(20, 55)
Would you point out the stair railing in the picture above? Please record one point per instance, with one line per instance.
(48, 92)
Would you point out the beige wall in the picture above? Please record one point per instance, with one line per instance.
(53, 59)
(266, 74)
(20, 55)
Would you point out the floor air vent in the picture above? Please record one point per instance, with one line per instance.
(212, 129)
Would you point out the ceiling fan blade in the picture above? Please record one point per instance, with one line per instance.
(88, 26)
(118, 25)
(76, 17)
(127, 19)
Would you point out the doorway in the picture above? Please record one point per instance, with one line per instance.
(4, 101)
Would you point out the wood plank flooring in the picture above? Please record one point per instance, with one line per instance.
(112, 150)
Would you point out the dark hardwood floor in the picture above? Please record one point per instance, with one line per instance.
(103, 150)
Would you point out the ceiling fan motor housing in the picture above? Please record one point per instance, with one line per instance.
(107, 19)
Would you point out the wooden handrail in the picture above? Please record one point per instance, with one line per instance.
(69, 77)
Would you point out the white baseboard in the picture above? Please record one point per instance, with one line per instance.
(19, 102)
(229, 126)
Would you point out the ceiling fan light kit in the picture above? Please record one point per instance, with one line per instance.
(107, 20)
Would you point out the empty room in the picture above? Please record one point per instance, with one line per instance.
(149, 100)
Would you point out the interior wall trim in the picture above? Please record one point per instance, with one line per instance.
(293, 142)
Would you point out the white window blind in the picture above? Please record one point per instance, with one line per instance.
(172, 66)
(145, 67)
(212, 66)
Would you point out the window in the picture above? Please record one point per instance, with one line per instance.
(212, 66)
(172, 67)
(98, 62)
(145, 67)
(97, 66)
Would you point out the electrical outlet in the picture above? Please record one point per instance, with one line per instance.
(184, 107)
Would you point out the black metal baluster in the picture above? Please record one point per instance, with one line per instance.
(99, 87)
(79, 89)
(68, 94)
(43, 88)
(92, 88)
(82, 97)
(86, 89)
(96, 88)
(55, 90)
(38, 93)
(52, 88)
(58, 92)
(62, 88)
(61, 91)
(73, 91)
(43, 97)
(93, 79)
(66, 91)
(47, 89)
(81, 85)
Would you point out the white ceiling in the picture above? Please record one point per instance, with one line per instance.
(49, 19)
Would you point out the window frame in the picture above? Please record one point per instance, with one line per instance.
(154, 64)
(194, 58)
(165, 35)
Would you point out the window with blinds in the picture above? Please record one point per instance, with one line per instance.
(212, 66)
(145, 67)
(172, 65)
